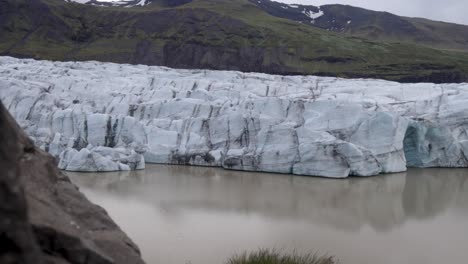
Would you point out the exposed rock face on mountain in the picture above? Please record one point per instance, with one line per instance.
(44, 217)
(102, 116)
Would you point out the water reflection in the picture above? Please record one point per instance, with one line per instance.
(428, 193)
(383, 202)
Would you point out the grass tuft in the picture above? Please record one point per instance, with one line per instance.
(274, 256)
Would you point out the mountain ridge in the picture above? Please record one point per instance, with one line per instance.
(209, 34)
(375, 25)
(350, 21)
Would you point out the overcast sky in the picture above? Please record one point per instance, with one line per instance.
(443, 10)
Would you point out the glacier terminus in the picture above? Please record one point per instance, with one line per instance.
(95, 116)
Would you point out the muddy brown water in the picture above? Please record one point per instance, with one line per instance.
(180, 215)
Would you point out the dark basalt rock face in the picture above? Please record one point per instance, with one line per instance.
(43, 216)
(17, 243)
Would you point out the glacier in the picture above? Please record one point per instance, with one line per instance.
(95, 116)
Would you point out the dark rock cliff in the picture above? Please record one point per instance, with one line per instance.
(43, 216)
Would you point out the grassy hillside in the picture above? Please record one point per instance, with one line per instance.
(213, 34)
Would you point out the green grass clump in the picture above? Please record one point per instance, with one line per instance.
(273, 256)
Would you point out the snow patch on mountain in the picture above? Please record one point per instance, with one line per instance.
(124, 3)
(313, 15)
(97, 116)
(78, 1)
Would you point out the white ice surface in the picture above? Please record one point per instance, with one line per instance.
(104, 116)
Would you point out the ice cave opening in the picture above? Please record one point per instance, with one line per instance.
(429, 145)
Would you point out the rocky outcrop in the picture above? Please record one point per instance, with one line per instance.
(16, 236)
(101, 117)
(44, 217)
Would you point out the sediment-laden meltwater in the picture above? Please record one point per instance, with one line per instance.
(180, 214)
(104, 117)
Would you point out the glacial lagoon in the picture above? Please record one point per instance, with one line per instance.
(199, 215)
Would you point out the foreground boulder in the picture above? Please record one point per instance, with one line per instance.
(96, 116)
(43, 216)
